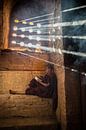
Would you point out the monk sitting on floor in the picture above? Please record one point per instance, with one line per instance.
(44, 86)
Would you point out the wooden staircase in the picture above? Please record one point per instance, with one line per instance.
(26, 112)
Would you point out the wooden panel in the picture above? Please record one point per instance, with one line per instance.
(14, 61)
(16, 80)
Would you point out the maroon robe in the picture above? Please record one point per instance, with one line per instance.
(35, 88)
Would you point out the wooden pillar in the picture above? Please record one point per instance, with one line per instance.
(1, 25)
(58, 59)
(6, 21)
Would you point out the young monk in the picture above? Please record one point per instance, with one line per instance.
(43, 86)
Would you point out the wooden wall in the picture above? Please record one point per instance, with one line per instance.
(17, 70)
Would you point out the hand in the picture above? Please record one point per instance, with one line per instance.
(36, 78)
(39, 80)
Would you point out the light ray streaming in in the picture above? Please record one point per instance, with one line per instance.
(73, 70)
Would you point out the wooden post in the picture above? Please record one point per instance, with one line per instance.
(6, 21)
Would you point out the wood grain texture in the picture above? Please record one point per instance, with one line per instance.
(24, 110)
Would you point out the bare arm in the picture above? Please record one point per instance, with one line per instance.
(42, 83)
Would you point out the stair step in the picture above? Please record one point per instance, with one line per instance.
(40, 127)
(25, 106)
(23, 110)
(19, 122)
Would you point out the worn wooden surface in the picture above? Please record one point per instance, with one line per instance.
(16, 80)
(11, 60)
(23, 110)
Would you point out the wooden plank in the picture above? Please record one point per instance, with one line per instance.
(16, 80)
(14, 61)
(25, 106)
(22, 110)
